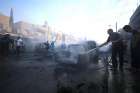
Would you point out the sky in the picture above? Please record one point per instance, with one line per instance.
(88, 19)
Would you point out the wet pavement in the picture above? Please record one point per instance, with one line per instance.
(34, 73)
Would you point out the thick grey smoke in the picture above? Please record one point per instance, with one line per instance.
(105, 48)
(83, 53)
(70, 53)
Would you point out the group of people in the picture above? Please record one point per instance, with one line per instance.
(9, 45)
(119, 46)
(49, 45)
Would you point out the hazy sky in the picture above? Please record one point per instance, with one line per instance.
(82, 18)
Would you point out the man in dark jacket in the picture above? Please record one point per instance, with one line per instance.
(117, 48)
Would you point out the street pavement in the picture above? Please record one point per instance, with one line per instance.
(37, 73)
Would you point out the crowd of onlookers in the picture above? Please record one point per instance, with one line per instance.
(15, 45)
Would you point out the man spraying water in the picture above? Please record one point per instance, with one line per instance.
(117, 48)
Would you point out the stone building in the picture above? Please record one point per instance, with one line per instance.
(4, 24)
(29, 30)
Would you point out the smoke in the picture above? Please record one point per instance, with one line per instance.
(105, 48)
(81, 53)
(69, 54)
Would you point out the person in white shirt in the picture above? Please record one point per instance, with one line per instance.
(19, 44)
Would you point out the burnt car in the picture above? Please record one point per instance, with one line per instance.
(92, 52)
(70, 54)
(78, 53)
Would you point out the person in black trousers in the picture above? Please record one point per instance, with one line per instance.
(117, 49)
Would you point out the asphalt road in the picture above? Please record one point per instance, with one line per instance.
(36, 73)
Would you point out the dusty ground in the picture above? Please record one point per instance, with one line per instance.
(31, 73)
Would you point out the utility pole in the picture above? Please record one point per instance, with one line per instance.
(116, 26)
(11, 21)
(137, 3)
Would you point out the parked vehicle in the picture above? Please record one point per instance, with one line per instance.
(78, 53)
(70, 54)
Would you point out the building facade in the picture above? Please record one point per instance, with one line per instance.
(28, 30)
(4, 24)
